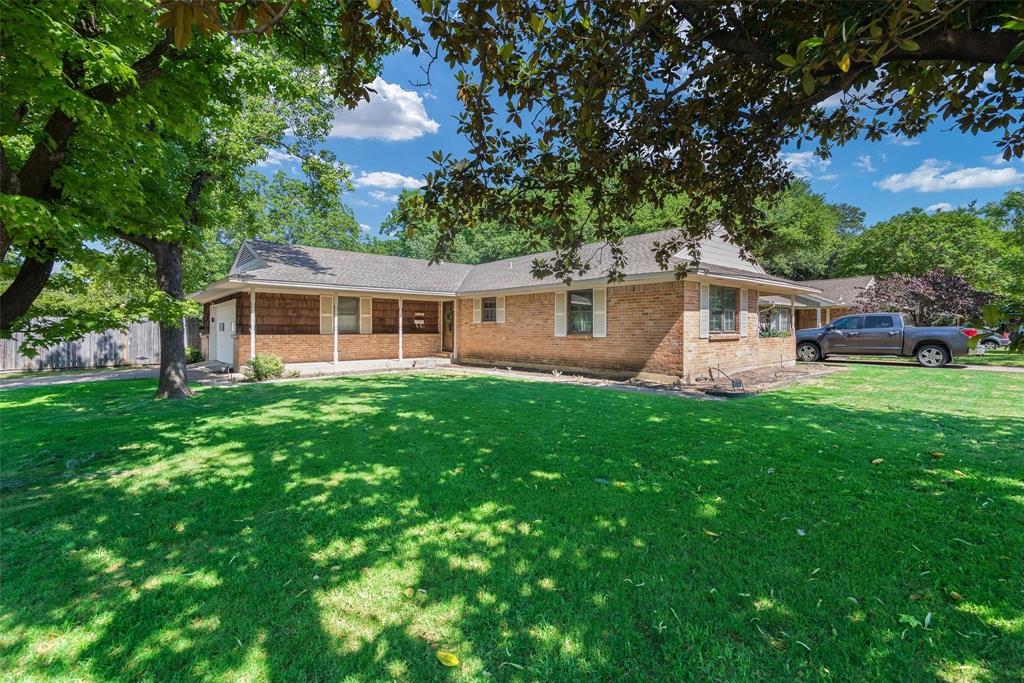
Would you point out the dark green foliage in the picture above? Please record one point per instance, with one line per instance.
(264, 366)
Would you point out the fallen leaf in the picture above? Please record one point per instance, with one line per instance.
(409, 593)
(937, 454)
(801, 532)
(712, 533)
(959, 473)
(955, 597)
(878, 461)
(914, 597)
(447, 658)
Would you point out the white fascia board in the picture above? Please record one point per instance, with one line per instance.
(314, 287)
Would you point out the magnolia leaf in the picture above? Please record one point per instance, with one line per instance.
(506, 50)
(712, 533)
(808, 83)
(447, 658)
(844, 63)
(167, 19)
(374, 4)
(536, 23)
(878, 461)
(786, 60)
(937, 454)
(909, 45)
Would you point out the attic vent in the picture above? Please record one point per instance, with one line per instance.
(246, 256)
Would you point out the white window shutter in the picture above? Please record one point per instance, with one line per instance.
(600, 313)
(743, 313)
(326, 315)
(499, 313)
(365, 315)
(705, 318)
(560, 314)
(476, 310)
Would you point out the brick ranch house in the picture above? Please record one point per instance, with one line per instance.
(307, 304)
(836, 297)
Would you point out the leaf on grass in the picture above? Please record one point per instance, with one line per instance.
(409, 593)
(955, 597)
(910, 620)
(914, 597)
(878, 461)
(447, 658)
(937, 454)
(712, 533)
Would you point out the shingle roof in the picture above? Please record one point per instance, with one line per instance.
(843, 290)
(294, 264)
(313, 265)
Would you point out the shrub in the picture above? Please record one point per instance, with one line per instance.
(193, 355)
(263, 367)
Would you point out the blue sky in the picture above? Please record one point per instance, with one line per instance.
(387, 141)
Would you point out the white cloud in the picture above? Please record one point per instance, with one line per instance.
(863, 162)
(381, 196)
(387, 180)
(364, 227)
(996, 159)
(808, 165)
(903, 141)
(930, 176)
(941, 206)
(277, 158)
(392, 113)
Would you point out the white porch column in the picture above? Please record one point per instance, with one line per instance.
(400, 353)
(252, 323)
(455, 329)
(817, 316)
(334, 330)
(792, 313)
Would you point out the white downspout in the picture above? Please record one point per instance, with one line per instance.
(334, 328)
(400, 350)
(252, 323)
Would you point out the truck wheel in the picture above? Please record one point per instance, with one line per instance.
(932, 356)
(808, 352)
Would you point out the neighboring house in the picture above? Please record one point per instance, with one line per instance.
(308, 304)
(836, 298)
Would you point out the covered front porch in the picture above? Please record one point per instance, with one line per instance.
(311, 327)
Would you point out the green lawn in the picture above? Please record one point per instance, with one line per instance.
(346, 529)
(1001, 358)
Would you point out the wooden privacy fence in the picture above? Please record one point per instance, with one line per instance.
(138, 344)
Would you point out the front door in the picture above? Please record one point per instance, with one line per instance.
(224, 329)
(448, 326)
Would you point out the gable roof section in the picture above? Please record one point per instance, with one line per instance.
(268, 263)
(842, 291)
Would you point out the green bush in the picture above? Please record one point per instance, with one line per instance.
(263, 367)
(193, 355)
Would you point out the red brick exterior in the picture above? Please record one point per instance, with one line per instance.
(644, 333)
(652, 328)
(310, 348)
(730, 353)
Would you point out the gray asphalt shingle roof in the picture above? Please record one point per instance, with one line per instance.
(296, 264)
(844, 290)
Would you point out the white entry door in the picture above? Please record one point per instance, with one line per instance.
(223, 324)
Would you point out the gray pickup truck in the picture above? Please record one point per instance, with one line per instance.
(883, 334)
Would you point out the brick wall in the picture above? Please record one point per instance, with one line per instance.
(730, 353)
(644, 328)
(807, 318)
(310, 348)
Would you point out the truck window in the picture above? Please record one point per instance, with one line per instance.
(874, 322)
(851, 323)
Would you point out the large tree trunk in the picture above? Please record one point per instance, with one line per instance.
(27, 285)
(173, 380)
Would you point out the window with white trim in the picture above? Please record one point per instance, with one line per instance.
(489, 309)
(348, 315)
(581, 311)
(722, 309)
